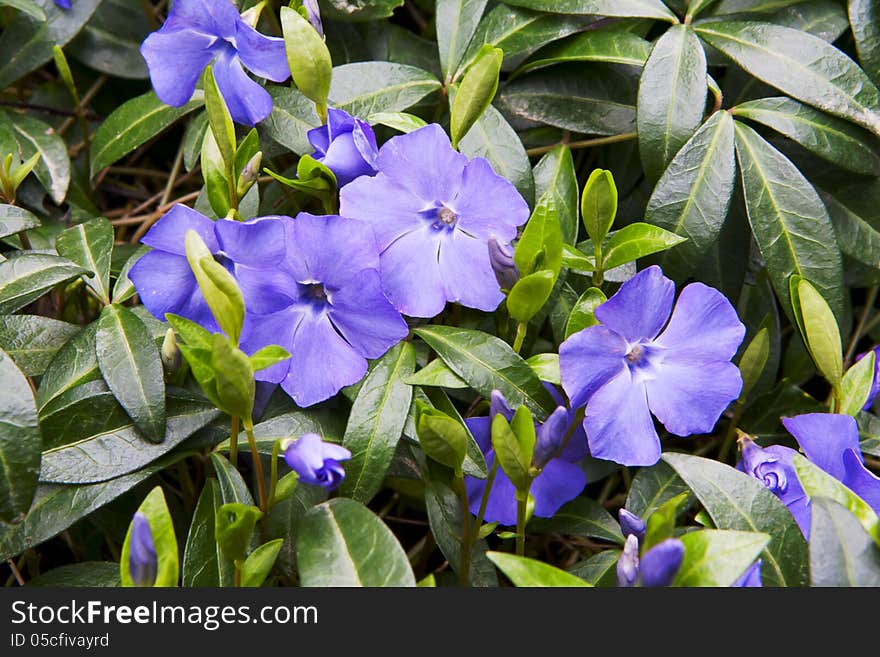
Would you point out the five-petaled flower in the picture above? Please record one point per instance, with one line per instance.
(311, 285)
(143, 563)
(317, 462)
(345, 145)
(828, 440)
(199, 32)
(434, 212)
(630, 366)
(560, 479)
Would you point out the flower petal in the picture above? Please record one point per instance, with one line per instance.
(175, 60)
(262, 55)
(558, 483)
(164, 282)
(346, 160)
(467, 272)
(704, 326)
(276, 328)
(641, 306)
(481, 430)
(660, 564)
(488, 205)
(256, 243)
(411, 274)
(214, 17)
(824, 437)
(751, 578)
(390, 209)
(169, 233)
(618, 424)
(588, 360)
(689, 398)
(247, 101)
(501, 506)
(860, 480)
(330, 249)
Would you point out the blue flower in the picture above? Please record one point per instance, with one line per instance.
(312, 286)
(316, 462)
(630, 523)
(64, 4)
(346, 146)
(503, 264)
(630, 366)
(199, 32)
(657, 567)
(560, 479)
(433, 213)
(829, 441)
(143, 564)
(314, 13)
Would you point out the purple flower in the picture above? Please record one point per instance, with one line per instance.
(630, 523)
(64, 4)
(199, 32)
(143, 564)
(630, 366)
(560, 479)
(875, 385)
(346, 146)
(312, 286)
(773, 467)
(317, 462)
(433, 213)
(657, 567)
(503, 264)
(314, 13)
(751, 578)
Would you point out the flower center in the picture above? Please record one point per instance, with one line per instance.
(635, 354)
(444, 218)
(316, 292)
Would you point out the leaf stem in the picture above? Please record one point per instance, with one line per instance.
(464, 566)
(861, 326)
(273, 474)
(586, 143)
(233, 441)
(521, 330)
(258, 464)
(521, 525)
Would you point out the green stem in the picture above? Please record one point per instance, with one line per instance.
(464, 565)
(233, 441)
(273, 473)
(521, 525)
(860, 327)
(236, 582)
(258, 464)
(730, 434)
(586, 143)
(485, 501)
(521, 330)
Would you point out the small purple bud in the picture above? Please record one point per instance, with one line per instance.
(550, 437)
(346, 145)
(631, 524)
(143, 564)
(751, 578)
(64, 4)
(763, 466)
(498, 404)
(628, 563)
(317, 462)
(501, 257)
(314, 14)
(661, 563)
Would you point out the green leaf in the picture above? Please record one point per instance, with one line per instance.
(82, 574)
(583, 313)
(580, 517)
(14, 220)
(268, 356)
(131, 125)
(825, 19)
(752, 6)
(555, 175)
(233, 490)
(342, 543)
(576, 260)
(546, 366)
(32, 340)
(25, 44)
(86, 410)
(540, 246)
(441, 437)
(594, 100)
(599, 204)
(856, 386)
(652, 487)
(598, 570)
(832, 139)
(672, 98)
(800, 65)
(456, 21)
(400, 121)
(234, 528)
(841, 551)
(122, 450)
(259, 563)
(492, 137)
(864, 17)
(365, 88)
(525, 572)
(110, 41)
(734, 500)
(359, 10)
(283, 522)
(293, 115)
(488, 363)
(693, 196)
(475, 93)
(74, 364)
(90, 246)
(220, 120)
(35, 137)
(164, 541)
(529, 294)
(194, 136)
(326, 422)
(29, 7)
(714, 557)
(818, 483)
(130, 363)
(28, 276)
(754, 360)
(637, 241)
(203, 564)
(218, 286)
(613, 46)
(513, 445)
(376, 422)
(790, 224)
(307, 56)
(435, 373)
(852, 207)
(618, 8)
(820, 331)
(474, 461)
(661, 523)
(19, 442)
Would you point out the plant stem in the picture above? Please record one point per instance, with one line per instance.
(586, 143)
(464, 566)
(273, 473)
(521, 330)
(485, 501)
(233, 442)
(236, 582)
(860, 327)
(258, 464)
(730, 434)
(521, 525)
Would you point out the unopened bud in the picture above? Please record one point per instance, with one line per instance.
(171, 356)
(501, 257)
(631, 524)
(250, 173)
(628, 563)
(313, 14)
(143, 564)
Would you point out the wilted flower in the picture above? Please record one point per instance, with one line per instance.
(143, 564)
(311, 285)
(345, 145)
(199, 32)
(433, 213)
(560, 479)
(317, 462)
(773, 467)
(630, 366)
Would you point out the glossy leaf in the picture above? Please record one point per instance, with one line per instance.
(555, 174)
(819, 329)
(28, 276)
(526, 572)
(580, 517)
(32, 340)
(610, 46)
(259, 563)
(637, 241)
(715, 557)
(74, 364)
(364, 88)
(620, 8)
(864, 16)
(90, 245)
(14, 220)
(841, 551)
(436, 373)
(293, 115)
(583, 313)
(19, 442)
(475, 92)
(203, 564)
(36, 137)
(456, 21)
(307, 56)
(652, 487)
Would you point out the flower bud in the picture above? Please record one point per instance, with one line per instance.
(628, 563)
(550, 437)
(498, 404)
(660, 564)
(346, 145)
(143, 564)
(631, 524)
(763, 465)
(171, 356)
(317, 462)
(313, 13)
(249, 174)
(875, 385)
(501, 257)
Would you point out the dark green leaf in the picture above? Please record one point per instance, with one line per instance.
(83, 574)
(233, 490)
(436, 373)
(284, 520)
(864, 16)
(90, 245)
(293, 115)
(555, 174)
(53, 167)
(456, 21)
(652, 487)
(715, 557)
(610, 46)
(29, 7)
(203, 564)
(14, 220)
(598, 570)
(580, 517)
(110, 41)
(28, 276)
(620, 8)
(75, 363)
(32, 341)
(19, 442)
(366, 88)
(841, 551)
(359, 10)
(825, 19)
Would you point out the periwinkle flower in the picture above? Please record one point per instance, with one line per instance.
(656, 568)
(875, 385)
(143, 563)
(751, 578)
(560, 479)
(311, 285)
(773, 467)
(501, 257)
(630, 523)
(64, 4)
(647, 357)
(433, 212)
(199, 32)
(346, 145)
(317, 462)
